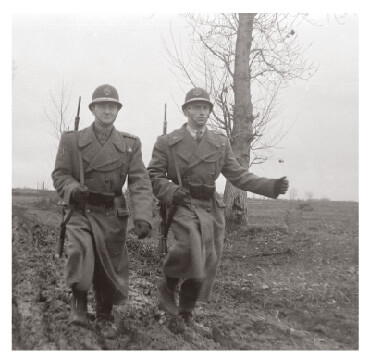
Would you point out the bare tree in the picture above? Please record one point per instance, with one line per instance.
(243, 60)
(57, 112)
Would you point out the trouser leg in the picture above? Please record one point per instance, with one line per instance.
(167, 295)
(103, 303)
(104, 299)
(79, 267)
(103, 309)
(105, 322)
(79, 304)
(189, 292)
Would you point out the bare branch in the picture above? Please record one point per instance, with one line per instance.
(276, 58)
(57, 112)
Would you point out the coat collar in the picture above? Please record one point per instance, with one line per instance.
(182, 134)
(189, 151)
(178, 135)
(87, 136)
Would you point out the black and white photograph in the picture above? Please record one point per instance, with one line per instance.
(184, 180)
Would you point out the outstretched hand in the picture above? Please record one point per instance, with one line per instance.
(281, 185)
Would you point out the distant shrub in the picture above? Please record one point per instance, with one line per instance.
(47, 203)
(306, 207)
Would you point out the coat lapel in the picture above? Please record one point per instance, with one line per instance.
(187, 147)
(207, 150)
(182, 144)
(98, 157)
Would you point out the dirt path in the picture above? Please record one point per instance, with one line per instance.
(258, 302)
(40, 300)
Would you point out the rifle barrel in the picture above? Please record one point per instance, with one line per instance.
(165, 123)
(164, 229)
(77, 118)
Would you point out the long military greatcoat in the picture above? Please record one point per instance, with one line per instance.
(97, 237)
(198, 228)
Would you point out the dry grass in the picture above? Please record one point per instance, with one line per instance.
(313, 284)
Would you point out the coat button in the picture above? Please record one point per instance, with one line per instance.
(208, 210)
(88, 211)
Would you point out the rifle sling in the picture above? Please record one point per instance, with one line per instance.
(176, 168)
(79, 156)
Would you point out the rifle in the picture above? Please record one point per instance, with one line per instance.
(166, 220)
(65, 219)
(162, 242)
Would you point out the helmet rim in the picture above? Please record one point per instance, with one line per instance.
(104, 99)
(105, 93)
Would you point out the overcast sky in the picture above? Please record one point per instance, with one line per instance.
(320, 151)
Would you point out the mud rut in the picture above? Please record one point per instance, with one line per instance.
(40, 304)
(40, 301)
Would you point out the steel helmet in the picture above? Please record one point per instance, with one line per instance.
(197, 94)
(105, 93)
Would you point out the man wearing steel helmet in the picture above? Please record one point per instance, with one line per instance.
(196, 155)
(96, 231)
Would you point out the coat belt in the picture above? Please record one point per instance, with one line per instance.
(103, 199)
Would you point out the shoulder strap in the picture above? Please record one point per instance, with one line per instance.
(79, 156)
(176, 166)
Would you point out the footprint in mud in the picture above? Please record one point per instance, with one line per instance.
(82, 338)
(123, 327)
(220, 337)
(175, 324)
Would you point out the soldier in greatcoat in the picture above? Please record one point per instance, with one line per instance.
(96, 231)
(184, 167)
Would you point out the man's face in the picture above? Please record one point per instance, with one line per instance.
(197, 113)
(105, 112)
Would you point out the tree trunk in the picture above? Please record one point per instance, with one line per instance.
(242, 132)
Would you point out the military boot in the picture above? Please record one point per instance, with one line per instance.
(79, 303)
(105, 321)
(189, 291)
(186, 306)
(190, 322)
(167, 296)
(187, 318)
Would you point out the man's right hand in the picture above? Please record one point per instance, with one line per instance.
(281, 185)
(181, 197)
(79, 196)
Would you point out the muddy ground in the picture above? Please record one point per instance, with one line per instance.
(287, 282)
